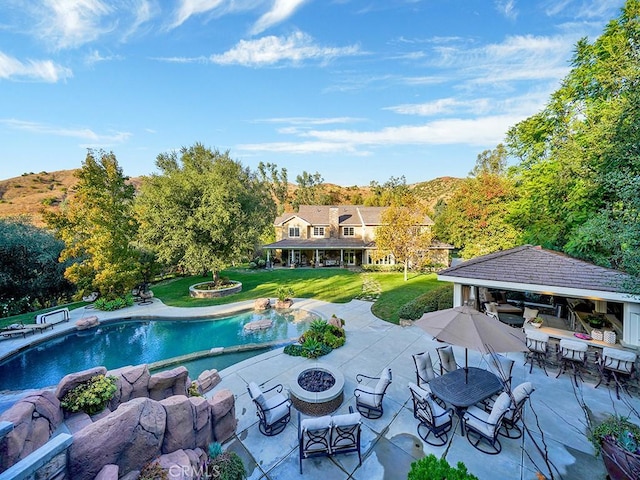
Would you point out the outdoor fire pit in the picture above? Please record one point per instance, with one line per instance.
(317, 389)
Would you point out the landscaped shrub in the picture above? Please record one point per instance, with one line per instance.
(430, 467)
(295, 350)
(284, 292)
(91, 396)
(224, 465)
(436, 299)
(312, 348)
(115, 304)
(153, 471)
(318, 340)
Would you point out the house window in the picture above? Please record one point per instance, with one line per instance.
(318, 231)
(294, 231)
(348, 231)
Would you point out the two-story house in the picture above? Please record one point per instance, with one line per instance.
(344, 235)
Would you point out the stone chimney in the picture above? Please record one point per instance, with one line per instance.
(334, 222)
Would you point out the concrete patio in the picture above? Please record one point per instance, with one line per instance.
(390, 444)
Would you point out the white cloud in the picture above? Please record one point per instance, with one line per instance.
(80, 133)
(35, 70)
(507, 8)
(443, 106)
(281, 10)
(271, 50)
(188, 8)
(94, 56)
(306, 121)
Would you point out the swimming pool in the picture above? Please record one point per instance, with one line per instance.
(133, 342)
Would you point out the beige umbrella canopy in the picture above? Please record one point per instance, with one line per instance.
(467, 327)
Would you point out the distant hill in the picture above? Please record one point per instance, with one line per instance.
(31, 193)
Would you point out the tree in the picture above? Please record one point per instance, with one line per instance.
(491, 161)
(580, 156)
(30, 275)
(392, 191)
(277, 182)
(99, 229)
(475, 219)
(309, 190)
(203, 211)
(404, 234)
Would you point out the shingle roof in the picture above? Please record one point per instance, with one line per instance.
(348, 215)
(533, 265)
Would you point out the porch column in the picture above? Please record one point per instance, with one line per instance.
(317, 260)
(268, 252)
(457, 295)
(341, 256)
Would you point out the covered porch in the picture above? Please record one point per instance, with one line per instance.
(317, 253)
(569, 294)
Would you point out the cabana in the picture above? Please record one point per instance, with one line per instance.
(559, 285)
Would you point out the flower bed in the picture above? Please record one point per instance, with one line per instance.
(209, 290)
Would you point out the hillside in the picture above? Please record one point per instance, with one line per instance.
(32, 193)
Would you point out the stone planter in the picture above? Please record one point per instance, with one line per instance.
(286, 303)
(196, 292)
(620, 464)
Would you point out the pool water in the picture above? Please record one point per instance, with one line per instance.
(134, 342)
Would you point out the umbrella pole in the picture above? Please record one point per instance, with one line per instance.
(466, 365)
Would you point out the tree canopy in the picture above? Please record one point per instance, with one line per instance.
(204, 211)
(98, 228)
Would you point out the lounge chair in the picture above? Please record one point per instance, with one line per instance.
(274, 411)
(369, 399)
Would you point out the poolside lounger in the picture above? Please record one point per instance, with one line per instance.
(38, 327)
(10, 333)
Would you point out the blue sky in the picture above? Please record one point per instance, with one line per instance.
(355, 90)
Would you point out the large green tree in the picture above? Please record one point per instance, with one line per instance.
(309, 190)
(98, 228)
(204, 211)
(580, 156)
(31, 276)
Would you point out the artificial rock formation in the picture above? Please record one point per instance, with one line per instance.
(71, 381)
(207, 380)
(87, 322)
(131, 382)
(168, 383)
(129, 437)
(223, 415)
(34, 418)
(108, 472)
(262, 304)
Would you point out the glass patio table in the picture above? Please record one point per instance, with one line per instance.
(465, 387)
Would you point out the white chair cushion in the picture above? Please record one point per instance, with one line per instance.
(479, 422)
(440, 415)
(530, 313)
(621, 360)
(501, 405)
(422, 392)
(522, 391)
(424, 367)
(369, 399)
(346, 419)
(256, 394)
(273, 413)
(316, 423)
(385, 379)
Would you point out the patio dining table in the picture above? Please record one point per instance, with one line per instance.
(465, 387)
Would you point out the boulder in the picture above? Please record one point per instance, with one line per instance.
(201, 421)
(178, 465)
(130, 437)
(69, 382)
(335, 321)
(35, 418)
(77, 421)
(223, 415)
(168, 383)
(283, 304)
(108, 472)
(207, 380)
(180, 432)
(87, 322)
(131, 382)
(262, 304)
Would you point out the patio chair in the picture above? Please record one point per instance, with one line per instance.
(424, 368)
(572, 354)
(484, 427)
(447, 359)
(537, 343)
(345, 434)
(274, 411)
(519, 398)
(369, 399)
(619, 364)
(314, 437)
(502, 367)
(433, 418)
(529, 314)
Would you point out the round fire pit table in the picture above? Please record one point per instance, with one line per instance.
(317, 389)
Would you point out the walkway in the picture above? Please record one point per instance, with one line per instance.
(390, 444)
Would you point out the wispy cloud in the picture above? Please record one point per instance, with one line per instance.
(271, 50)
(281, 10)
(309, 121)
(80, 133)
(34, 70)
(581, 9)
(443, 106)
(189, 8)
(94, 56)
(507, 8)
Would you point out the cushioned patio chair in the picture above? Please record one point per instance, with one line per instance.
(484, 427)
(345, 433)
(574, 355)
(502, 367)
(424, 368)
(368, 398)
(538, 344)
(616, 364)
(274, 410)
(519, 398)
(447, 359)
(433, 418)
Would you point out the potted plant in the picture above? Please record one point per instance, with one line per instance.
(595, 321)
(536, 322)
(618, 440)
(284, 294)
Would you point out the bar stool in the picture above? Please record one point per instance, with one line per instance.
(619, 364)
(573, 354)
(537, 343)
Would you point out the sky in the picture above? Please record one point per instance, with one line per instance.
(355, 90)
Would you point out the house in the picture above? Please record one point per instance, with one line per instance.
(344, 235)
(551, 282)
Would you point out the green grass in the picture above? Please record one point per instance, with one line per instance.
(329, 285)
(396, 292)
(30, 317)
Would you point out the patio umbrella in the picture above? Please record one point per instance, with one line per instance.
(467, 327)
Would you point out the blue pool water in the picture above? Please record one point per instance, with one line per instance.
(134, 342)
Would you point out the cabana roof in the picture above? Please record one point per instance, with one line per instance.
(533, 268)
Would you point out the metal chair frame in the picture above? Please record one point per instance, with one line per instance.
(279, 425)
